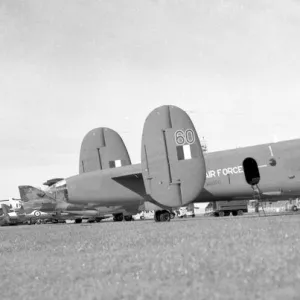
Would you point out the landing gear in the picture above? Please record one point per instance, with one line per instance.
(118, 218)
(294, 208)
(162, 216)
(157, 216)
(165, 217)
(237, 212)
(93, 220)
(128, 218)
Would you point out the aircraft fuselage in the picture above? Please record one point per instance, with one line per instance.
(273, 169)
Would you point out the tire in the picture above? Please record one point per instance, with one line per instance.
(142, 218)
(221, 214)
(165, 217)
(294, 208)
(118, 217)
(157, 216)
(240, 212)
(128, 218)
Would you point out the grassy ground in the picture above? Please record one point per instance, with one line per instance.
(200, 258)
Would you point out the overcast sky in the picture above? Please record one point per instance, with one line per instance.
(69, 66)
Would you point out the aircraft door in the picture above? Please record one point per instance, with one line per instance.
(251, 171)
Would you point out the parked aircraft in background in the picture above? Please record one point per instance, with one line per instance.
(11, 216)
(12, 203)
(50, 201)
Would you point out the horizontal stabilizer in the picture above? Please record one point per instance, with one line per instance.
(173, 165)
(102, 148)
(132, 181)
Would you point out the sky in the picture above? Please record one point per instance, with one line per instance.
(69, 66)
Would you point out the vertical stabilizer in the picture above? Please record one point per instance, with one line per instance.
(29, 193)
(102, 148)
(4, 214)
(173, 165)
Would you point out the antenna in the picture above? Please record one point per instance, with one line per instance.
(203, 144)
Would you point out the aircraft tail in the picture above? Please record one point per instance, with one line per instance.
(173, 169)
(102, 148)
(29, 193)
(4, 214)
(173, 165)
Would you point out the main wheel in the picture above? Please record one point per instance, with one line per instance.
(165, 216)
(294, 208)
(118, 217)
(157, 216)
(221, 214)
(128, 218)
(240, 212)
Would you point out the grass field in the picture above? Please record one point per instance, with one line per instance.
(199, 258)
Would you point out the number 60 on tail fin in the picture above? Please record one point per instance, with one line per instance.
(173, 165)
